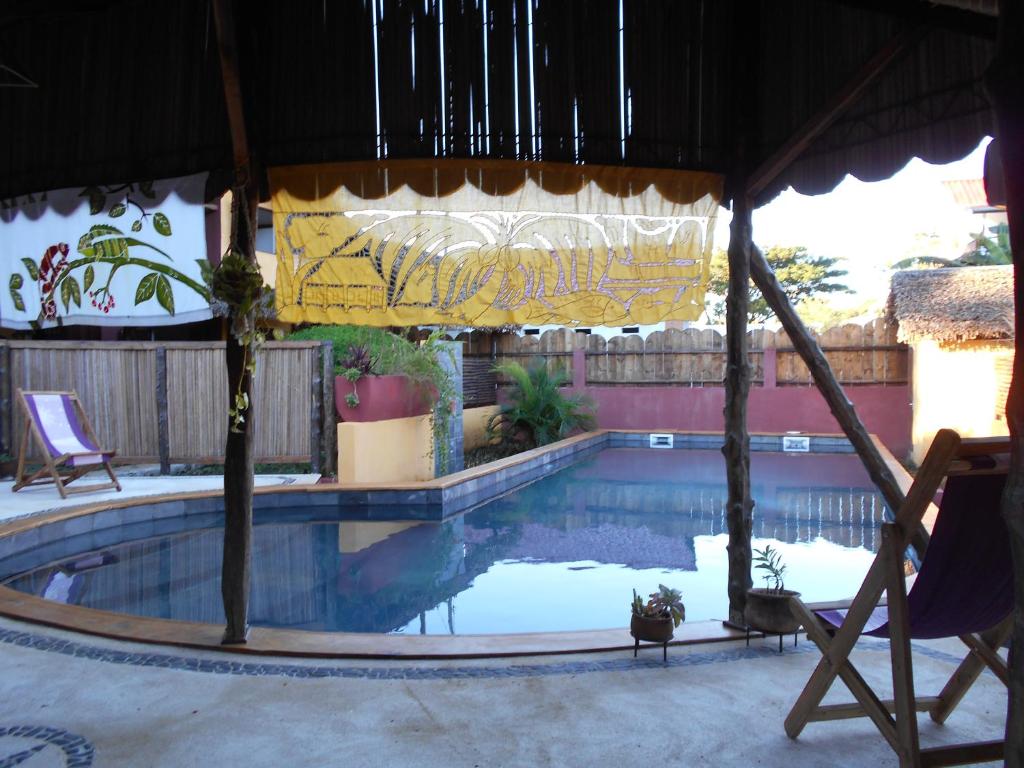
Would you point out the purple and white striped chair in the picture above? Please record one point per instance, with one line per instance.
(61, 431)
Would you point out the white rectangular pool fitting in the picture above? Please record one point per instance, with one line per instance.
(662, 441)
(796, 444)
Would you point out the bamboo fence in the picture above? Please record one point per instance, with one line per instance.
(168, 401)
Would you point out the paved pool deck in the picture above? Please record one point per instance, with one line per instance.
(85, 701)
(45, 498)
(78, 700)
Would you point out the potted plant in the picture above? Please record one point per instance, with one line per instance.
(767, 608)
(654, 620)
(381, 375)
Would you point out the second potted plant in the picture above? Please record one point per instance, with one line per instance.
(767, 608)
(654, 620)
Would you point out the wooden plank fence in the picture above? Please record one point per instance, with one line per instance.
(165, 402)
(695, 357)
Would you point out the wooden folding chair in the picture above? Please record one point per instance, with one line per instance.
(964, 589)
(69, 448)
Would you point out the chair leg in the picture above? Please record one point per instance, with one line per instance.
(969, 669)
(19, 476)
(834, 665)
(909, 751)
(113, 477)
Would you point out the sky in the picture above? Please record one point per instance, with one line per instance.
(870, 225)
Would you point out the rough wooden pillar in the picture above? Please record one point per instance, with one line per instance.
(1005, 83)
(238, 459)
(739, 507)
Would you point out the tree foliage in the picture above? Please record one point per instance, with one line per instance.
(801, 275)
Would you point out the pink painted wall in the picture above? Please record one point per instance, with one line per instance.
(885, 410)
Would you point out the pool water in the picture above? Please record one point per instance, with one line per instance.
(563, 553)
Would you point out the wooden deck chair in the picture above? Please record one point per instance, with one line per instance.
(59, 427)
(964, 589)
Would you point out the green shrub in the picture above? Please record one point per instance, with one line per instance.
(536, 410)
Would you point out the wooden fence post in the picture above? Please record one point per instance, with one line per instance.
(315, 411)
(162, 427)
(329, 463)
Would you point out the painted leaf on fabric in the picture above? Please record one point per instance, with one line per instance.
(118, 210)
(33, 270)
(19, 304)
(146, 289)
(73, 289)
(16, 281)
(87, 280)
(65, 294)
(165, 294)
(162, 224)
(137, 225)
(97, 200)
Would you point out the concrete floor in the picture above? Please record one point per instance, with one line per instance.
(710, 705)
(44, 498)
(80, 701)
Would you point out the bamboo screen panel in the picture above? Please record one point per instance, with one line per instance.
(115, 382)
(197, 402)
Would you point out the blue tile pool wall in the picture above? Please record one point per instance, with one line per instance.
(60, 540)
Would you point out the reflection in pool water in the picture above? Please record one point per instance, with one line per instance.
(562, 553)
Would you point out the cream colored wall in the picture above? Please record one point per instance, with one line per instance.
(954, 386)
(474, 425)
(392, 451)
(268, 267)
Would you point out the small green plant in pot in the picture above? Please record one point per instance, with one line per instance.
(654, 620)
(767, 608)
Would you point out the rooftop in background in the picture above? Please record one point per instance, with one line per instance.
(970, 193)
(956, 304)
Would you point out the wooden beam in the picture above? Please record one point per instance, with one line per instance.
(842, 409)
(227, 43)
(937, 14)
(779, 160)
(238, 449)
(739, 506)
(1003, 82)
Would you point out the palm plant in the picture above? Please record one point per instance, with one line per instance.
(536, 411)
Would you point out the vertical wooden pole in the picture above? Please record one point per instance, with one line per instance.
(1005, 83)
(315, 417)
(238, 458)
(162, 425)
(739, 507)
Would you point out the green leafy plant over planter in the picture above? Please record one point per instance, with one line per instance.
(536, 411)
(664, 604)
(770, 560)
(389, 353)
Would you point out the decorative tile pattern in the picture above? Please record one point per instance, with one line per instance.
(29, 740)
(399, 670)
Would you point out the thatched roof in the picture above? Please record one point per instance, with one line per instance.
(956, 304)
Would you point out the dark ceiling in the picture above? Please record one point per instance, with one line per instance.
(131, 89)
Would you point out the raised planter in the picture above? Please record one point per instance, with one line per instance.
(769, 611)
(382, 398)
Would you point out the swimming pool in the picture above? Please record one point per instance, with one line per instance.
(562, 553)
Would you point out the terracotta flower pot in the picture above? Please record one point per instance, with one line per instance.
(769, 611)
(382, 397)
(652, 630)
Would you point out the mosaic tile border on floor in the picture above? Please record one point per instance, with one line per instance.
(78, 752)
(399, 671)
